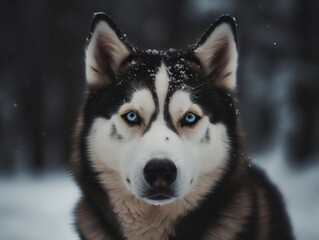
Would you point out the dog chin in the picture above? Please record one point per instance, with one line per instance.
(158, 202)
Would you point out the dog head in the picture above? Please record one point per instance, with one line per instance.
(159, 119)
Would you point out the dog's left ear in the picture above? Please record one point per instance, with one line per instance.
(217, 51)
(106, 49)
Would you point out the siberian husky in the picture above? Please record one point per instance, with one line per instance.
(158, 150)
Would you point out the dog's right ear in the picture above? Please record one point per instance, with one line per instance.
(106, 49)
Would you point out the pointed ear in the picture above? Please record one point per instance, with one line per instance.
(217, 51)
(106, 49)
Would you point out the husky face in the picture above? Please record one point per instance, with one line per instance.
(159, 119)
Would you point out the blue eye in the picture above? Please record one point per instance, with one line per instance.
(132, 118)
(190, 119)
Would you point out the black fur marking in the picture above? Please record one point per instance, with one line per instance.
(114, 134)
(105, 101)
(179, 68)
(206, 138)
(217, 104)
(147, 69)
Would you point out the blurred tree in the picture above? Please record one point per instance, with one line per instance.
(42, 72)
(302, 142)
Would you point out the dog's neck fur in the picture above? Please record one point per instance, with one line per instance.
(140, 220)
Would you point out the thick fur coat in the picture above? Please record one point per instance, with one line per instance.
(158, 150)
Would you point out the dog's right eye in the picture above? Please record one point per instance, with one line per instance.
(189, 119)
(132, 118)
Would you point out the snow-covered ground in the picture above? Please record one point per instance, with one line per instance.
(300, 189)
(40, 208)
(37, 208)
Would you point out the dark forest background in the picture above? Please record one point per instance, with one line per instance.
(42, 70)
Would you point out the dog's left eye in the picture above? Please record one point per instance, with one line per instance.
(189, 119)
(132, 118)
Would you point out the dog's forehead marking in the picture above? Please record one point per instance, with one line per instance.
(180, 101)
(161, 86)
(143, 100)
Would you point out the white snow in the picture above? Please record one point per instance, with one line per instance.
(300, 190)
(152, 51)
(37, 208)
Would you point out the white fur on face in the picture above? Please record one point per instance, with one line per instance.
(161, 85)
(129, 153)
(212, 152)
(107, 152)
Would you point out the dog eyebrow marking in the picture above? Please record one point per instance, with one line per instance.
(114, 134)
(206, 138)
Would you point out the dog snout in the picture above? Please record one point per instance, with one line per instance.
(160, 173)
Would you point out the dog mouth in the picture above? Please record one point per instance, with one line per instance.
(159, 195)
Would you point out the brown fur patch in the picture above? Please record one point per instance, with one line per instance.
(88, 224)
(233, 218)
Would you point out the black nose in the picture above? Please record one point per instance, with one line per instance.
(160, 173)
